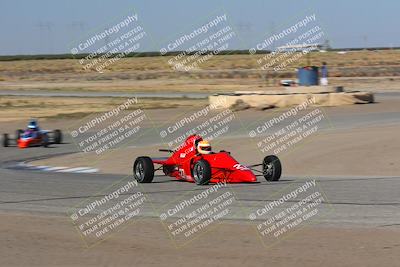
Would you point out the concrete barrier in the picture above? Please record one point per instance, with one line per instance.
(264, 101)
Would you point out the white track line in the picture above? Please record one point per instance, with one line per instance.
(80, 170)
(57, 168)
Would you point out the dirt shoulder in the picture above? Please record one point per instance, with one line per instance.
(14, 108)
(28, 240)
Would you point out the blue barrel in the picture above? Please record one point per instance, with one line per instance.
(308, 76)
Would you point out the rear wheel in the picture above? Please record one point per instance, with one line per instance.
(18, 134)
(202, 172)
(272, 168)
(5, 140)
(143, 170)
(57, 136)
(45, 140)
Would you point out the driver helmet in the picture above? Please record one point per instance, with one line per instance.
(32, 124)
(204, 147)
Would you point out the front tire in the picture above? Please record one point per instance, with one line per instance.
(272, 168)
(202, 172)
(5, 140)
(143, 170)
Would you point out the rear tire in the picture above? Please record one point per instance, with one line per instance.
(18, 134)
(57, 136)
(45, 140)
(5, 140)
(272, 168)
(202, 172)
(143, 170)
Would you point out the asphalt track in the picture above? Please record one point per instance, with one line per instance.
(361, 201)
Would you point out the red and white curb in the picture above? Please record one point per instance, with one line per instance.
(45, 168)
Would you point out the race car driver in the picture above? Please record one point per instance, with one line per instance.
(33, 128)
(204, 147)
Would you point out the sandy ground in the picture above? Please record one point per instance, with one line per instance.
(28, 240)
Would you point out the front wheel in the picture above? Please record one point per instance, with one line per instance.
(272, 168)
(5, 140)
(202, 172)
(143, 170)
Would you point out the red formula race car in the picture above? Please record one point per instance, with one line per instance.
(33, 136)
(194, 161)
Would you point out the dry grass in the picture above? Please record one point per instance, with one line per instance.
(220, 73)
(148, 64)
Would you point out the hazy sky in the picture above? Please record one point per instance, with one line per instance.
(50, 26)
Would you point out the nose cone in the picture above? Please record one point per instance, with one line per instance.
(234, 172)
(22, 143)
(245, 176)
